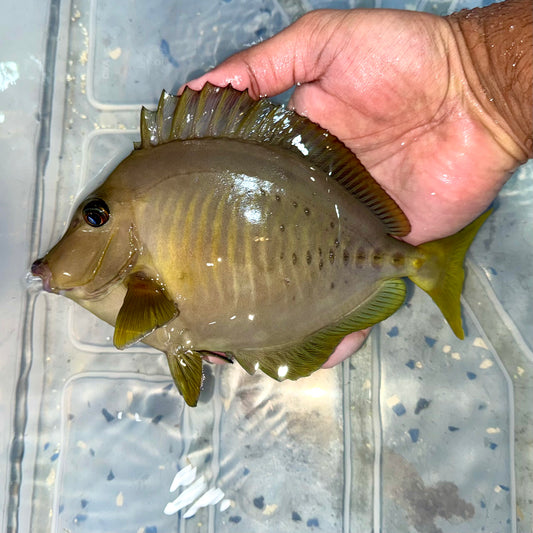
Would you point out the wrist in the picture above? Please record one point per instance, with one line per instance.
(495, 46)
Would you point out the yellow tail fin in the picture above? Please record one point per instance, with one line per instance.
(442, 276)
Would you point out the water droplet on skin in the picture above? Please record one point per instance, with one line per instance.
(283, 371)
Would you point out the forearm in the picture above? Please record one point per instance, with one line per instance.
(495, 45)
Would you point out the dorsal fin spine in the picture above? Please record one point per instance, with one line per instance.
(218, 114)
(204, 113)
(146, 134)
(180, 124)
(159, 117)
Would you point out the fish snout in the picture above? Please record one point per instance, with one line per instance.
(41, 269)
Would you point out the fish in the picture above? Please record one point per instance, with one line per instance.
(237, 227)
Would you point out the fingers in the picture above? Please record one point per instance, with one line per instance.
(350, 344)
(266, 69)
(275, 65)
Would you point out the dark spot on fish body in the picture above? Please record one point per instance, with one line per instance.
(332, 286)
(308, 257)
(345, 257)
(282, 228)
(331, 256)
(398, 260)
(360, 258)
(294, 204)
(377, 259)
(332, 225)
(294, 258)
(337, 243)
(278, 198)
(320, 264)
(307, 211)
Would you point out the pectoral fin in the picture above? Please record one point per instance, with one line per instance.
(146, 307)
(186, 369)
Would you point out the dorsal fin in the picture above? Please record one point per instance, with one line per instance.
(226, 112)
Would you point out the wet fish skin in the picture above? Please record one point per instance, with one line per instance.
(265, 239)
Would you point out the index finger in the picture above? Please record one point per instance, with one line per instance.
(273, 66)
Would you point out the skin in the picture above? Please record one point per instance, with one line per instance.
(429, 104)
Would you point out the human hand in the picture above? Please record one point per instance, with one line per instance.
(392, 86)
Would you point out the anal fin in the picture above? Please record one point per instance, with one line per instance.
(301, 359)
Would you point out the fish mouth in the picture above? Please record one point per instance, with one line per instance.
(40, 269)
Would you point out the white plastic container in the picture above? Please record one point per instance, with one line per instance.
(418, 432)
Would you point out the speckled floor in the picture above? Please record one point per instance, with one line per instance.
(418, 432)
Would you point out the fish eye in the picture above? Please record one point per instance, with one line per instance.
(96, 213)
